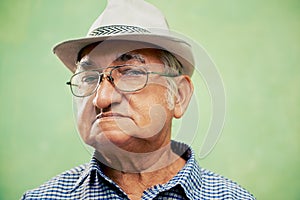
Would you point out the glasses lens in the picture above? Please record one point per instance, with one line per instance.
(84, 83)
(130, 78)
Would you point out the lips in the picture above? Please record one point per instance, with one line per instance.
(110, 115)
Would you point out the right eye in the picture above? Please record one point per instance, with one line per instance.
(90, 79)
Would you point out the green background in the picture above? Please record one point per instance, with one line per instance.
(255, 45)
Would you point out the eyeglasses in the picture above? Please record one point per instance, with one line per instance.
(125, 78)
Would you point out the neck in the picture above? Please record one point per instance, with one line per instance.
(158, 170)
(131, 162)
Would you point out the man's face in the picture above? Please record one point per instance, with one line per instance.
(134, 121)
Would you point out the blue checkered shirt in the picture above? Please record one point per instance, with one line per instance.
(89, 182)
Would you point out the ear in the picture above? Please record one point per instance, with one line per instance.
(185, 90)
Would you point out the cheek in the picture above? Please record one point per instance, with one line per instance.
(165, 91)
(149, 118)
(84, 115)
(151, 105)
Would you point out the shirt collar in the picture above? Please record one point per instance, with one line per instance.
(189, 177)
(91, 166)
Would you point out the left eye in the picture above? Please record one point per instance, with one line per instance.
(133, 72)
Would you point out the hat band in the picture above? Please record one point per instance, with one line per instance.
(117, 29)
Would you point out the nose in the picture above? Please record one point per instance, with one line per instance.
(106, 93)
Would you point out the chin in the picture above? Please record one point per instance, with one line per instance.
(116, 138)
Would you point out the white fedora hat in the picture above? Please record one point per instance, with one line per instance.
(131, 20)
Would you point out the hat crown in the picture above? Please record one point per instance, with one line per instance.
(131, 13)
(131, 20)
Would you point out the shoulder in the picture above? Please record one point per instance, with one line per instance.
(216, 186)
(200, 183)
(59, 184)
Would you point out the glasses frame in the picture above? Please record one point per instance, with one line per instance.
(108, 76)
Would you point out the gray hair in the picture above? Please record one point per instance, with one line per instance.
(172, 66)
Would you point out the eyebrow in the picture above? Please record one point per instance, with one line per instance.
(88, 64)
(85, 65)
(131, 56)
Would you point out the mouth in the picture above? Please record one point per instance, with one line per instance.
(111, 115)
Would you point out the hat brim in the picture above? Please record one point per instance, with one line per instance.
(68, 51)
